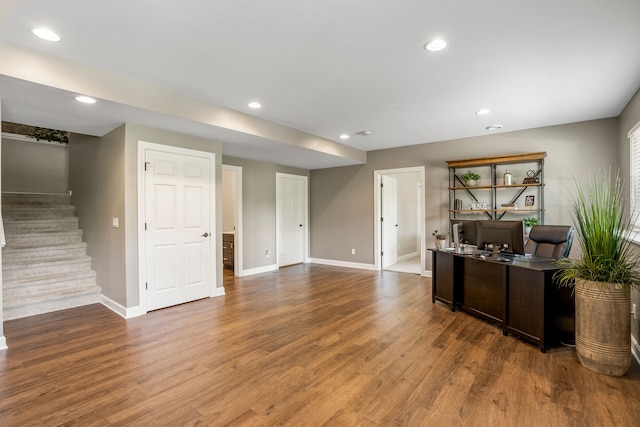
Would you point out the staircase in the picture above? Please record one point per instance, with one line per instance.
(45, 266)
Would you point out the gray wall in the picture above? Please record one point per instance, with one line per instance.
(96, 177)
(104, 180)
(2, 338)
(628, 119)
(342, 198)
(134, 134)
(34, 167)
(259, 209)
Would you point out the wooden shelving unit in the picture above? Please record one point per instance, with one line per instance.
(492, 193)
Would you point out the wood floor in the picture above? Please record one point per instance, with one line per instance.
(306, 346)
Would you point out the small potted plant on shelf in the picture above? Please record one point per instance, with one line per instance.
(470, 178)
(530, 222)
(440, 239)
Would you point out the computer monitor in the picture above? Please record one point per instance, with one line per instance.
(506, 235)
(466, 231)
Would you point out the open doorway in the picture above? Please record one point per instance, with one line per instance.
(399, 231)
(232, 219)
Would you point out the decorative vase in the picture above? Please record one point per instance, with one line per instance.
(471, 183)
(441, 244)
(603, 326)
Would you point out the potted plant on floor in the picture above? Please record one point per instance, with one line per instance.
(603, 275)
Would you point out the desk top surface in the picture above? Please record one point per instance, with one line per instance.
(528, 262)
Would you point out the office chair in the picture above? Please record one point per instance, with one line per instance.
(549, 241)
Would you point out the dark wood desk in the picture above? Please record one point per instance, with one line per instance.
(518, 294)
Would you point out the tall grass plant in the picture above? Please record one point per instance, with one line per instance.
(604, 230)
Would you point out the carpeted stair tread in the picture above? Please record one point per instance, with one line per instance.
(45, 263)
(52, 295)
(47, 279)
(59, 246)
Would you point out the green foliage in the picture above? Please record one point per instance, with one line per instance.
(470, 176)
(603, 224)
(50, 135)
(531, 221)
(438, 236)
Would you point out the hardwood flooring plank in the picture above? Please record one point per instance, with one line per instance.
(307, 345)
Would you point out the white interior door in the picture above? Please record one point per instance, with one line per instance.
(178, 237)
(291, 212)
(389, 197)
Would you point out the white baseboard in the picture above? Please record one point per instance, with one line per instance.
(121, 310)
(335, 263)
(427, 273)
(635, 349)
(3, 343)
(131, 312)
(405, 257)
(258, 270)
(218, 292)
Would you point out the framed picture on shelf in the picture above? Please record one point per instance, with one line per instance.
(529, 201)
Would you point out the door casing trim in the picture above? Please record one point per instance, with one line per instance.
(142, 147)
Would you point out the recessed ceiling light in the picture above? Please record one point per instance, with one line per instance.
(255, 105)
(483, 111)
(85, 99)
(494, 127)
(435, 45)
(46, 34)
(344, 136)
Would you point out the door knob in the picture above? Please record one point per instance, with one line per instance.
(205, 235)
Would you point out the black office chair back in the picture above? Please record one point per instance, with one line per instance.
(550, 241)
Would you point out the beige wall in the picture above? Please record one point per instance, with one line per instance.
(342, 198)
(259, 209)
(34, 167)
(628, 119)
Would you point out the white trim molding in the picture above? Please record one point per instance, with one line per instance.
(218, 292)
(120, 310)
(377, 232)
(143, 146)
(336, 263)
(259, 270)
(238, 247)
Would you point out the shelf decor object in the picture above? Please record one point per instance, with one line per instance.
(503, 191)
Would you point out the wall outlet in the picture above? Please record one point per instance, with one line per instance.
(353, 251)
(115, 222)
(267, 253)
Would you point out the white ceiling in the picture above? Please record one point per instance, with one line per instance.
(333, 66)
